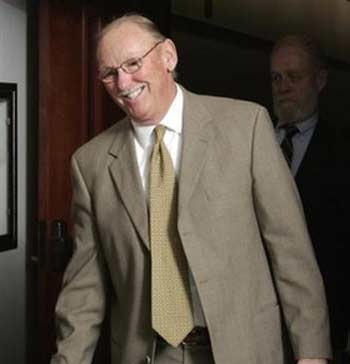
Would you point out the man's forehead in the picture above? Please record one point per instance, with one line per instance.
(124, 41)
(128, 32)
(291, 56)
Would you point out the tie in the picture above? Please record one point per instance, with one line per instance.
(287, 144)
(171, 306)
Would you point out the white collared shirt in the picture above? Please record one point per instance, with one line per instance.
(144, 138)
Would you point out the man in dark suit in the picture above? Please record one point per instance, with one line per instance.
(246, 263)
(312, 148)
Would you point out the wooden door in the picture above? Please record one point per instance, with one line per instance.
(72, 108)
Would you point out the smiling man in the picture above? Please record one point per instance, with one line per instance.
(142, 85)
(312, 149)
(178, 225)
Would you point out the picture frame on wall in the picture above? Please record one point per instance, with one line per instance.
(8, 166)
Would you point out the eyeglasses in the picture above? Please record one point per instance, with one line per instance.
(130, 66)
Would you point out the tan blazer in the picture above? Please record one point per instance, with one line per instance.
(241, 226)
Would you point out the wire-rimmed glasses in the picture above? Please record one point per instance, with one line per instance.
(131, 65)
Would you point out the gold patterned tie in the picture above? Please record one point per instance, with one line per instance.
(171, 306)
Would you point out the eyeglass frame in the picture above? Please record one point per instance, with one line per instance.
(110, 73)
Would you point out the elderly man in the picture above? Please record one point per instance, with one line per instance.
(310, 145)
(186, 214)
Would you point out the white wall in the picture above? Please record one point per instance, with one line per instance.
(13, 55)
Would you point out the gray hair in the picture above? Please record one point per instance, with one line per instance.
(307, 44)
(141, 21)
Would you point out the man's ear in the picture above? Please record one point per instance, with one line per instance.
(170, 55)
(321, 79)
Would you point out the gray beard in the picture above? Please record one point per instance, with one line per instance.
(291, 115)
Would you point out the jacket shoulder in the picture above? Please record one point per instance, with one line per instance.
(224, 108)
(101, 143)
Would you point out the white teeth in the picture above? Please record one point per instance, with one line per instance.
(132, 94)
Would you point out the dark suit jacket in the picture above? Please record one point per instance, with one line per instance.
(322, 183)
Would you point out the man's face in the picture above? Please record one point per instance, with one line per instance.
(146, 94)
(296, 84)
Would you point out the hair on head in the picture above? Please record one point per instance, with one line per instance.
(134, 18)
(307, 44)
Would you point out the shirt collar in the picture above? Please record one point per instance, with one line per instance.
(172, 120)
(305, 125)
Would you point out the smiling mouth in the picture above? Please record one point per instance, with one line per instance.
(133, 93)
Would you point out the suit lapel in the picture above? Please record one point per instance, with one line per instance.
(197, 135)
(126, 176)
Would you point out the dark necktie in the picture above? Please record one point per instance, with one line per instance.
(287, 144)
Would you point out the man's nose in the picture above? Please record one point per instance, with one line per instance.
(284, 84)
(123, 79)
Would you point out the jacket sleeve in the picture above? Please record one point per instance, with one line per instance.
(283, 228)
(80, 307)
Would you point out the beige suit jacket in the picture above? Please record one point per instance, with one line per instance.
(241, 226)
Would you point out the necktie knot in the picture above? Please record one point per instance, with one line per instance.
(159, 131)
(291, 130)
